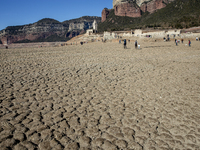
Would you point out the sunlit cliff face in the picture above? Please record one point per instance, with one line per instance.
(138, 2)
(116, 2)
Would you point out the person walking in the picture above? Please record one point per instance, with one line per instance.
(125, 43)
(136, 44)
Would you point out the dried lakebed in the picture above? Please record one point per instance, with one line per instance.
(100, 96)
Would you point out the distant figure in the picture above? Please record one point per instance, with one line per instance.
(125, 43)
(176, 42)
(196, 38)
(6, 47)
(167, 37)
(199, 38)
(136, 44)
(182, 40)
(119, 41)
(164, 39)
(189, 43)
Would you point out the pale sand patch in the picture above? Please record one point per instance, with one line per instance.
(101, 96)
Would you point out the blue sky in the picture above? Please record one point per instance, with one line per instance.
(21, 12)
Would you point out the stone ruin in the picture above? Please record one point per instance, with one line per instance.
(94, 30)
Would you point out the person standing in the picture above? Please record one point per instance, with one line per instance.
(182, 40)
(189, 43)
(125, 43)
(136, 44)
(176, 42)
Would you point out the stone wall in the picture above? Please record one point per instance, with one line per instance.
(156, 34)
(109, 35)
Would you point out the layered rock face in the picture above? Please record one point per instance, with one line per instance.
(133, 8)
(74, 33)
(127, 9)
(47, 28)
(104, 14)
(153, 5)
(80, 26)
(8, 39)
(31, 32)
(138, 2)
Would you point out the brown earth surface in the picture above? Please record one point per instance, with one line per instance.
(100, 96)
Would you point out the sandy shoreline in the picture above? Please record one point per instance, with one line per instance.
(101, 96)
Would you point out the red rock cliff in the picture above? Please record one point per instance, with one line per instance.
(127, 9)
(143, 7)
(104, 14)
(153, 5)
(131, 9)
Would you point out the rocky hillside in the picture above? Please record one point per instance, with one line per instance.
(177, 14)
(135, 8)
(47, 30)
(138, 2)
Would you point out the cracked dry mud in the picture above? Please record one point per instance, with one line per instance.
(99, 96)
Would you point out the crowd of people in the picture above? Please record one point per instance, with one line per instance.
(176, 42)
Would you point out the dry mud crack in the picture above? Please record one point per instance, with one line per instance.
(100, 96)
